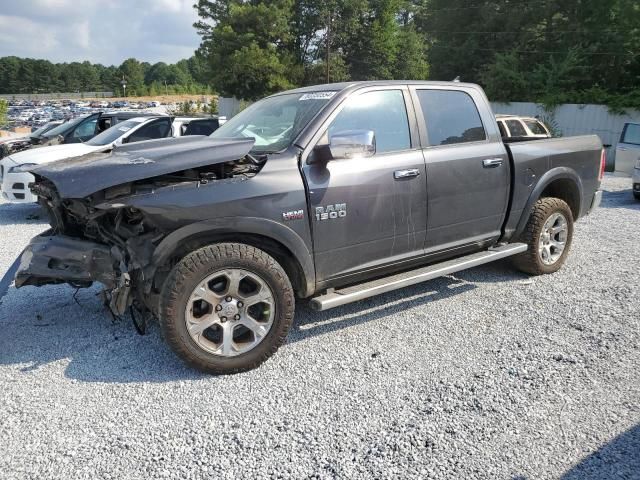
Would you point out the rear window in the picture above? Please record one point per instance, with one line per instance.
(516, 129)
(631, 134)
(451, 117)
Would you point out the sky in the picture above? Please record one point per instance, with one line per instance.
(100, 31)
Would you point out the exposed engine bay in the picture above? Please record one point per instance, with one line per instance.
(102, 238)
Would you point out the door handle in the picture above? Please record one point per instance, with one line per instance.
(408, 173)
(492, 162)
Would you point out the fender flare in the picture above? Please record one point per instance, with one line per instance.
(241, 225)
(558, 173)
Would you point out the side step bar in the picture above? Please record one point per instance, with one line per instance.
(354, 293)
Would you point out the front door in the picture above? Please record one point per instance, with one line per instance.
(369, 212)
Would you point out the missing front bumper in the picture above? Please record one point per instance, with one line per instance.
(51, 259)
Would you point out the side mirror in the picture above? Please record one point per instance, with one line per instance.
(346, 144)
(125, 140)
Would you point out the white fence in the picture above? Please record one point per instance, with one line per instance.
(572, 119)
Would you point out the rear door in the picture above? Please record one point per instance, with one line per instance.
(468, 175)
(368, 213)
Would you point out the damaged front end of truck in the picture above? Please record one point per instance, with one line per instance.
(98, 234)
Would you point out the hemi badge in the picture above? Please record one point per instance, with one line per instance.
(293, 215)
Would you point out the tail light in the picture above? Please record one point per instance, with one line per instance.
(603, 164)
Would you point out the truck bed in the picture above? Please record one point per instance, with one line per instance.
(534, 163)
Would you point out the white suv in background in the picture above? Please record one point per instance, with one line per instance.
(513, 126)
(14, 175)
(15, 179)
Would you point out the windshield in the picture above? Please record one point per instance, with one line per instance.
(45, 128)
(65, 127)
(112, 134)
(274, 122)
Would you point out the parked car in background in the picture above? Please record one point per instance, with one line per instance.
(15, 180)
(14, 145)
(628, 150)
(514, 127)
(84, 128)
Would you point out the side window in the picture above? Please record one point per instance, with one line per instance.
(86, 130)
(103, 124)
(535, 127)
(157, 129)
(516, 128)
(631, 134)
(451, 117)
(201, 127)
(384, 112)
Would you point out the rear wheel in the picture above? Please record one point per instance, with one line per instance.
(226, 308)
(548, 234)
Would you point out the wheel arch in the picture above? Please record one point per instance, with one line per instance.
(561, 182)
(278, 240)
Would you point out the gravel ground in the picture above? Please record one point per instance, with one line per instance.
(485, 374)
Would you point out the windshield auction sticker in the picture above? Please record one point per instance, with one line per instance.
(317, 96)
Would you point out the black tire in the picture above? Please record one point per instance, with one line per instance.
(196, 267)
(531, 261)
(636, 195)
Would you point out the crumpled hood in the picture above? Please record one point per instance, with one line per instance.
(81, 176)
(53, 153)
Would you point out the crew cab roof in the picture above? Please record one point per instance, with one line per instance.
(338, 87)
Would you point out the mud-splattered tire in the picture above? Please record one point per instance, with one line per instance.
(240, 294)
(548, 234)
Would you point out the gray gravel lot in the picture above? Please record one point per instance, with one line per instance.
(485, 374)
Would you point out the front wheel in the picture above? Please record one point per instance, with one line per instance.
(226, 308)
(548, 234)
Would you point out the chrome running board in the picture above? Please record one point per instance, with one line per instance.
(354, 293)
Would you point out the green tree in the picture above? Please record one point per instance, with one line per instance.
(246, 44)
(411, 61)
(551, 52)
(10, 74)
(133, 72)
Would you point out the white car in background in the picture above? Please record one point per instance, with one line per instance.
(15, 180)
(628, 149)
(513, 126)
(628, 155)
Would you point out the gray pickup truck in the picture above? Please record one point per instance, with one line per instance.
(332, 193)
